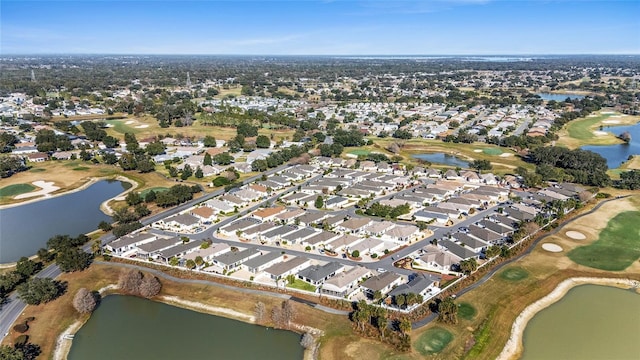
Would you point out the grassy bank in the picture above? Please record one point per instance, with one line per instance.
(586, 131)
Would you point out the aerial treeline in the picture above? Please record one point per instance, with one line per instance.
(24, 269)
(387, 211)
(278, 158)
(67, 252)
(629, 180)
(10, 164)
(579, 166)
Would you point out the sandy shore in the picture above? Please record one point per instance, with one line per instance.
(513, 347)
(46, 187)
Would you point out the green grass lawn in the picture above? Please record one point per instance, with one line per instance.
(16, 189)
(81, 168)
(302, 285)
(514, 274)
(156, 189)
(433, 341)
(581, 129)
(120, 127)
(617, 247)
(492, 151)
(466, 311)
(359, 152)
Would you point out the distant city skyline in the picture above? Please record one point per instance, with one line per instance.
(434, 27)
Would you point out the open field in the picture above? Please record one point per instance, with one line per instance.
(586, 131)
(145, 127)
(513, 274)
(502, 163)
(634, 163)
(501, 299)
(617, 247)
(233, 91)
(16, 189)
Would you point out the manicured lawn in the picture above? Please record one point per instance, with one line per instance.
(617, 247)
(514, 274)
(81, 168)
(433, 341)
(16, 189)
(156, 189)
(581, 129)
(360, 152)
(120, 127)
(302, 285)
(492, 151)
(466, 311)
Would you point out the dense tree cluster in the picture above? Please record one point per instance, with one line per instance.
(278, 158)
(176, 195)
(10, 165)
(582, 166)
(377, 209)
(40, 290)
(25, 268)
(448, 311)
(629, 180)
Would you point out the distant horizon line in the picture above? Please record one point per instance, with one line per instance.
(325, 55)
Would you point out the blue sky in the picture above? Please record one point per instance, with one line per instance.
(339, 27)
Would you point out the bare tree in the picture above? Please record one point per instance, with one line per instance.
(259, 311)
(150, 286)
(394, 148)
(84, 301)
(307, 341)
(129, 281)
(276, 316)
(288, 312)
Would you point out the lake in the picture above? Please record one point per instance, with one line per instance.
(559, 97)
(589, 322)
(442, 158)
(26, 228)
(619, 153)
(127, 327)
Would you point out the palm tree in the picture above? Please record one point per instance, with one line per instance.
(405, 326)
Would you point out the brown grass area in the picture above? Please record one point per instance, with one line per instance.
(499, 302)
(633, 164)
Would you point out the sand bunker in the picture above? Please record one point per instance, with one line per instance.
(46, 188)
(611, 121)
(607, 112)
(142, 126)
(477, 150)
(552, 247)
(506, 154)
(599, 133)
(575, 235)
(129, 122)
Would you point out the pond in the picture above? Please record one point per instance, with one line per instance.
(589, 322)
(442, 158)
(26, 228)
(617, 154)
(559, 97)
(126, 327)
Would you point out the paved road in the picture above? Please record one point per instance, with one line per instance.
(490, 274)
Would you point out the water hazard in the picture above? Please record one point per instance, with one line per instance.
(26, 228)
(589, 322)
(126, 327)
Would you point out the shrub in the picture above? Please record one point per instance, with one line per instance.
(21, 340)
(21, 328)
(84, 301)
(150, 286)
(129, 281)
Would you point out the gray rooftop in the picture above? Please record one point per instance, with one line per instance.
(180, 248)
(318, 273)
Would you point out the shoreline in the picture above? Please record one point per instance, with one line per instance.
(514, 346)
(63, 346)
(84, 186)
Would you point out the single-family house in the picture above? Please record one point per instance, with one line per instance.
(232, 259)
(259, 263)
(268, 213)
(484, 234)
(128, 243)
(204, 213)
(423, 285)
(209, 253)
(383, 283)
(179, 250)
(345, 283)
(401, 233)
(437, 259)
(317, 274)
(283, 269)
